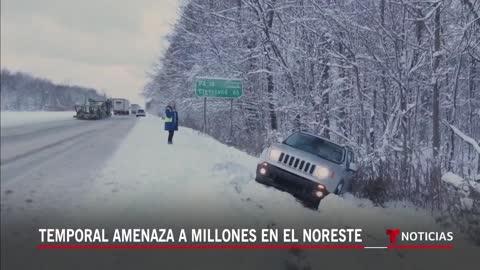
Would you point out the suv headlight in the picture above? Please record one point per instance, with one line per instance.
(275, 154)
(321, 172)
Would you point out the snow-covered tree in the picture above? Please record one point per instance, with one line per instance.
(378, 76)
(23, 92)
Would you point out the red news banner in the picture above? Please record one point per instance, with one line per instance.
(335, 238)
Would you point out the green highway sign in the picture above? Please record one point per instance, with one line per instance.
(218, 88)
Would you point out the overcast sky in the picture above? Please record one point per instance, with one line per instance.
(105, 44)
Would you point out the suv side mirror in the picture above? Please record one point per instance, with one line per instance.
(352, 167)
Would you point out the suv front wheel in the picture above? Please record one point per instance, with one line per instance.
(339, 189)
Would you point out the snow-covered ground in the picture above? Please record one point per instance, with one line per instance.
(198, 169)
(200, 182)
(220, 177)
(121, 172)
(13, 119)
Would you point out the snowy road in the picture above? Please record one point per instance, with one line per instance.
(121, 173)
(47, 163)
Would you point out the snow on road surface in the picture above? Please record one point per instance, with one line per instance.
(45, 168)
(199, 182)
(12, 119)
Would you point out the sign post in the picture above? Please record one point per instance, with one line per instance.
(218, 88)
(205, 115)
(231, 119)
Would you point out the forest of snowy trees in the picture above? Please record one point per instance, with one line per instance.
(398, 81)
(23, 92)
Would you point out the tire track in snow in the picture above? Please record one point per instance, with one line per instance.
(45, 147)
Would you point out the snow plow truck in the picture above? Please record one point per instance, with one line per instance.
(94, 110)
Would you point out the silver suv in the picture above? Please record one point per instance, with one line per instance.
(308, 167)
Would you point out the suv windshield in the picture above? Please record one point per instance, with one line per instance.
(316, 146)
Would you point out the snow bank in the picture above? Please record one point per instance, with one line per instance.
(466, 203)
(197, 169)
(200, 182)
(453, 179)
(460, 183)
(11, 119)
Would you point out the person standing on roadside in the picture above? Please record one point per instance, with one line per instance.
(171, 120)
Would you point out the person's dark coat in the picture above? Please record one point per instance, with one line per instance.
(171, 119)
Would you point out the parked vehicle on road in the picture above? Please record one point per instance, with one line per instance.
(308, 167)
(141, 112)
(134, 108)
(121, 106)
